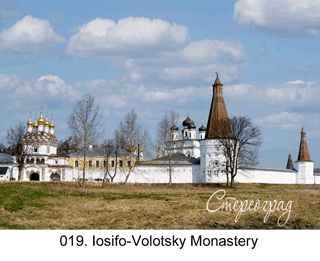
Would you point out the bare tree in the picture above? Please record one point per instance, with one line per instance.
(19, 145)
(242, 150)
(134, 137)
(107, 148)
(69, 145)
(84, 123)
(165, 127)
(2, 148)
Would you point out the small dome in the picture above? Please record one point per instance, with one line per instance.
(51, 125)
(30, 123)
(35, 125)
(202, 128)
(187, 121)
(174, 128)
(46, 123)
(41, 119)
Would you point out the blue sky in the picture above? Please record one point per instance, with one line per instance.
(157, 56)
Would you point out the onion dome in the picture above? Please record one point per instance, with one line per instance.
(141, 150)
(51, 125)
(187, 121)
(174, 128)
(46, 123)
(41, 119)
(35, 125)
(30, 123)
(202, 128)
(192, 126)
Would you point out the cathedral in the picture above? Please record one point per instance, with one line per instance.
(192, 159)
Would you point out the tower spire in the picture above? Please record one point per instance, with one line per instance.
(303, 150)
(290, 162)
(218, 126)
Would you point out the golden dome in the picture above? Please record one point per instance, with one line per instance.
(35, 125)
(41, 119)
(51, 124)
(46, 124)
(30, 123)
(141, 150)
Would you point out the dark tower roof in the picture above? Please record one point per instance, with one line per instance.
(290, 162)
(303, 150)
(202, 128)
(218, 122)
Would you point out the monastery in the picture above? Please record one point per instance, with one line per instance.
(195, 160)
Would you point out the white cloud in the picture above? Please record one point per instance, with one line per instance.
(312, 32)
(51, 86)
(117, 101)
(165, 94)
(294, 91)
(284, 120)
(290, 14)
(132, 34)
(212, 50)
(134, 76)
(238, 89)
(8, 82)
(204, 72)
(29, 35)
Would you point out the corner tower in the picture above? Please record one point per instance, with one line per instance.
(218, 127)
(305, 173)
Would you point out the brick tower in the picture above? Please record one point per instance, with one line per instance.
(218, 127)
(305, 164)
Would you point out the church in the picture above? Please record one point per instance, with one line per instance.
(42, 163)
(194, 159)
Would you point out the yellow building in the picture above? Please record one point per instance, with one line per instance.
(97, 161)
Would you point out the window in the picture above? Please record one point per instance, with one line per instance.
(56, 162)
(112, 163)
(48, 149)
(104, 163)
(129, 163)
(90, 163)
(97, 164)
(120, 163)
(76, 164)
(35, 149)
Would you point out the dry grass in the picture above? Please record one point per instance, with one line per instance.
(49, 205)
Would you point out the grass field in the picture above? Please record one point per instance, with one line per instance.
(59, 205)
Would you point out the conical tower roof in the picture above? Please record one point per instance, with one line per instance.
(303, 150)
(218, 122)
(290, 162)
